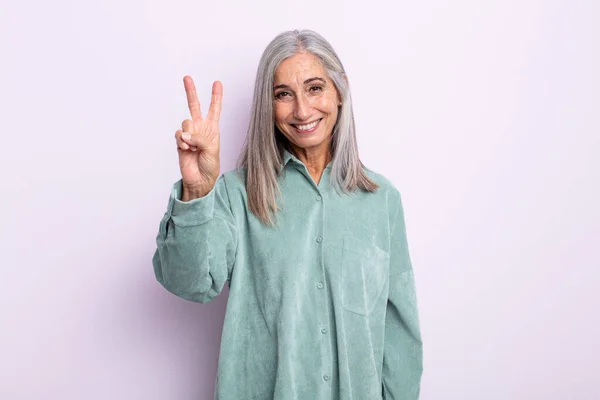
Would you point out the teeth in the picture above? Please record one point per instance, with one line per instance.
(307, 127)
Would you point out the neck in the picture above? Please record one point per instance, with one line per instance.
(314, 158)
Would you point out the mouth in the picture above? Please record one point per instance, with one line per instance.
(307, 128)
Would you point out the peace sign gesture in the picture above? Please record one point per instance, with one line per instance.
(198, 143)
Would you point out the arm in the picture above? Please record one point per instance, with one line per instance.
(403, 348)
(196, 244)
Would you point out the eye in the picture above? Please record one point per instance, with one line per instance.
(281, 94)
(318, 88)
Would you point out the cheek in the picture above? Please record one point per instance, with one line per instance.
(279, 114)
(327, 102)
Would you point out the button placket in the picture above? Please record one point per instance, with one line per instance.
(320, 286)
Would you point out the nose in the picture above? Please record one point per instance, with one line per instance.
(301, 108)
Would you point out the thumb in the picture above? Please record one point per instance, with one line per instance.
(194, 140)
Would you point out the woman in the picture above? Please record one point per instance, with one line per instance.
(322, 300)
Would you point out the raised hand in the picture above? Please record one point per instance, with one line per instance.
(198, 143)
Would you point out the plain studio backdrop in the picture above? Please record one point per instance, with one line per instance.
(484, 114)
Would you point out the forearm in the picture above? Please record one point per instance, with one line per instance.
(196, 245)
(403, 348)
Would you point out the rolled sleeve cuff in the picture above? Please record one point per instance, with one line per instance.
(193, 212)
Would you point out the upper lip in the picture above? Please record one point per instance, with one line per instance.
(308, 123)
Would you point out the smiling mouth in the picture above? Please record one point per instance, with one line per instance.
(307, 127)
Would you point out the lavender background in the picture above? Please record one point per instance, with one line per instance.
(485, 115)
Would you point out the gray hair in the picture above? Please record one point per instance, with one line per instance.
(262, 153)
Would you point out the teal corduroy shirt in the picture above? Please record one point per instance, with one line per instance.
(322, 307)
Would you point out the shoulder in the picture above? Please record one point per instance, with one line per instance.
(387, 203)
(387, 187)
(389, 194)
(234, 180)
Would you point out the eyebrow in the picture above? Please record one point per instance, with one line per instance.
(309, 80)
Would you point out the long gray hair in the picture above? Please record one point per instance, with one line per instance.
(262, 153)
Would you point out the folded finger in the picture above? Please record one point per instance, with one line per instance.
(180, 142)
(187, 126)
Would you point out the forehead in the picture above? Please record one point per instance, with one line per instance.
(299, 67)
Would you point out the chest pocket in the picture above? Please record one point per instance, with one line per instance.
(364, 272)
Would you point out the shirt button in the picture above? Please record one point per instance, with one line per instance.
(320, 285)
(323, 330)
(326, 377)
(319, 198)
(319, 239)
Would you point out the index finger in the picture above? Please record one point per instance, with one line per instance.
(192, 98)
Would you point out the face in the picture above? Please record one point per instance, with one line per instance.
(305, 101)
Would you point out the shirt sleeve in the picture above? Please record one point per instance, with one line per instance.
(196, 244)
(403, 347)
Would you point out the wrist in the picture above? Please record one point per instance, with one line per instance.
(192, 193)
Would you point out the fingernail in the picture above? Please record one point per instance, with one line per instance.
(186, 136)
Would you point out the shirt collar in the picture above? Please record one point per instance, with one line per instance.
(288, 156)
